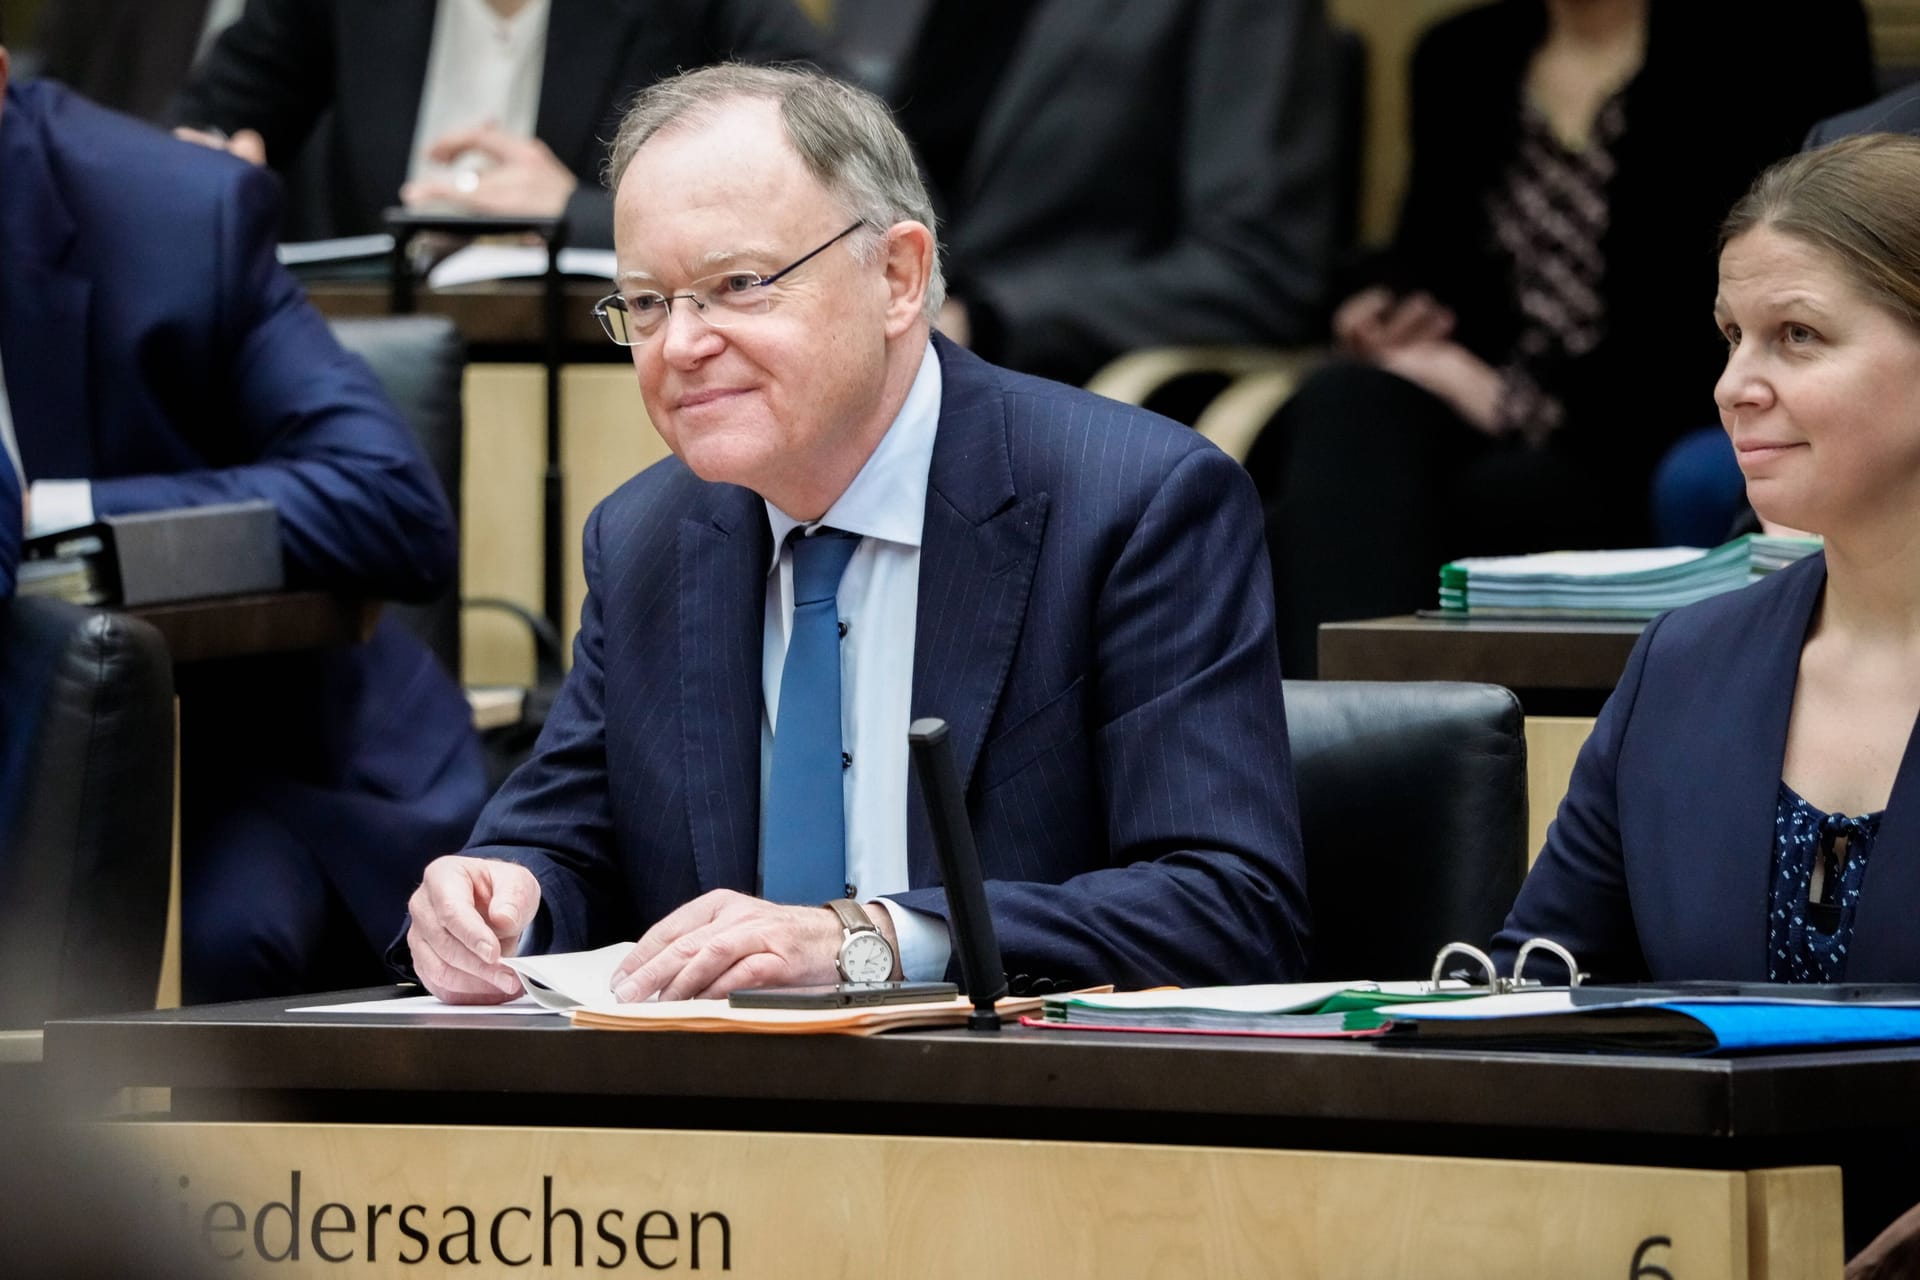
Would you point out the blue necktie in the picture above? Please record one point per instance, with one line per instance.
(804, 854)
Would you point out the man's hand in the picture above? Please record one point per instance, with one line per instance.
(522, 177)
(722, 941)
(1466, 382)
(1374, 322)
(467, 913)
(246, 144)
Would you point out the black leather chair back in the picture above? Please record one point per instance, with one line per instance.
(420, 360)
(1413, 814)
(86, 810)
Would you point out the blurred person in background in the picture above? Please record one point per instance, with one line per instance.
(1532, 340)
(1114, 175)
(468, 106)
(153, 355)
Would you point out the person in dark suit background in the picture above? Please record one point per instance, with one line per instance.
(1076, 586)
(156, 356)
(1114, 175)
(1531, 341)
(388, 71)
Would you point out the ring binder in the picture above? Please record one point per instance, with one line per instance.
(1497, 985)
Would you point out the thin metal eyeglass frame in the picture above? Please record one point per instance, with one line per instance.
(668, 299)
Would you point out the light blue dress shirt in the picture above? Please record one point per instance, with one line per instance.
(879, 595)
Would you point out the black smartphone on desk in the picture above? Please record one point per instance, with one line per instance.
(842, 995)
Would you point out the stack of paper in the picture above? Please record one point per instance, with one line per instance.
(307, 253)
(1623, 585)
(1275, 1009)
(718, 1015)
(477, 262)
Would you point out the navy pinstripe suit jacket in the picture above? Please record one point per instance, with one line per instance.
(1095, 624)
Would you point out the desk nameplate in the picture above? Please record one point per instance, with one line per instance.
(433, 1200)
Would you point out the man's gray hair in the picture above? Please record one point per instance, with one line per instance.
(845, 136)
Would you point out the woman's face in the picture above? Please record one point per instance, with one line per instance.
(1821, 393)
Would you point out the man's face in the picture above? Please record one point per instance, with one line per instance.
(786, 402)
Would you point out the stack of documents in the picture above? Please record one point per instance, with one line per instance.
(480, 262)
(1610, 585)
(1689, 1024)
(718, 1015)
(1318, 1009)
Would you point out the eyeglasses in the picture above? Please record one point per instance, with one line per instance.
(722, 300)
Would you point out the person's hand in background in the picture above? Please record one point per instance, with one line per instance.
(493, 172)
(1466, 382)
(247, 144)
(1376, 321)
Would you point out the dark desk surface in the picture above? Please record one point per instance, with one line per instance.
(1021, 1082)
(1577, 657)
(239, 626)
(502, 313)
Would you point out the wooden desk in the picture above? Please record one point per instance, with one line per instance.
(1281, 1158)
(1583, 659)
(243, 626)
(502, 314)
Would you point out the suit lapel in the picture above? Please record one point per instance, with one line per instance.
(1044, 58)
(583, 56)
(43, 309)
(723, 565)
(1729, 912)
(978, 551)
(1886, 945)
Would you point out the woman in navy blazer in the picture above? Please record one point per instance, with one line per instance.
(1748, 805)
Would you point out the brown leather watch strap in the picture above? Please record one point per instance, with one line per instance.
(852, 914)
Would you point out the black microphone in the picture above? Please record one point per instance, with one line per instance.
(980, 968)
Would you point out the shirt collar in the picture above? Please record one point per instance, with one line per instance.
(888, 499)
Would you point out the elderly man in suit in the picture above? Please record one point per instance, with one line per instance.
(157, 356)
(865, 524)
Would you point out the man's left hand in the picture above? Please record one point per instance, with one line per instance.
(723, 941)
(523, 178)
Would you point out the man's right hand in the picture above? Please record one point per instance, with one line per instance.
(467, 913)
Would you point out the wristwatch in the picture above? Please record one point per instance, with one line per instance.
(865, 954)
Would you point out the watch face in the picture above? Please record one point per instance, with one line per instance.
(866, 957)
